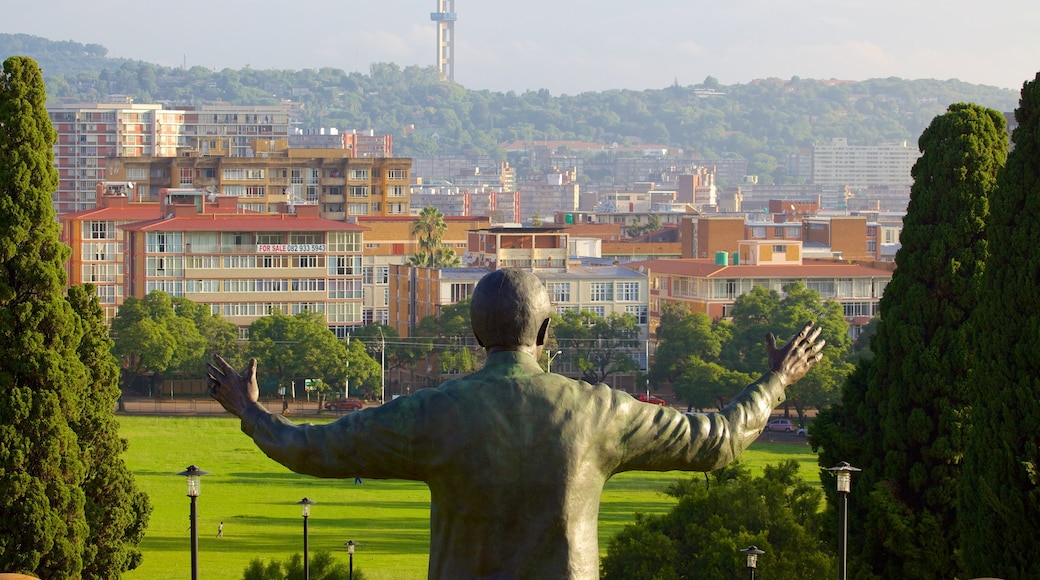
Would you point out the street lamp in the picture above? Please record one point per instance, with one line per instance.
(752, 553)
(306, 503)
(194, 475)
(549, 358)
(843, 472)
(350, 550)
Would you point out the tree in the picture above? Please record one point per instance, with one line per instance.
(429, 229)
(60, 469)
(400, 352)
(302, 347)
(999, 497)
(152, 338)
(700, 537)
(598, 346)
(915, 385)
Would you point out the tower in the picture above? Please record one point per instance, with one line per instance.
(445, 18)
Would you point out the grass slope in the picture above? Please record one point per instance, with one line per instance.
(255, 498)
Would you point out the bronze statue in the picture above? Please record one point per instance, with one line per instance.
(515, 458)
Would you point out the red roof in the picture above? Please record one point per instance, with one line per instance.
(707, 268)
(242, 223)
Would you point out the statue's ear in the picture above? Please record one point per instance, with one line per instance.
(543, 332)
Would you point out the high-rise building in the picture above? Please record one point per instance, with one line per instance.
(88, 134)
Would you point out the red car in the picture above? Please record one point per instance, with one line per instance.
(651, 399)
(347, 404)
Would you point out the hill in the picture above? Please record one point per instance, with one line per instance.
(762, 121)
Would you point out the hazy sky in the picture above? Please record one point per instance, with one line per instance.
(566, 46)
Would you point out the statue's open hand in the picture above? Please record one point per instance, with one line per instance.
(796, 357)
(236, 392)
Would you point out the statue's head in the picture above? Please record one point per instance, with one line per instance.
(510, 310)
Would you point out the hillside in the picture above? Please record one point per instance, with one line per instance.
(762, 121)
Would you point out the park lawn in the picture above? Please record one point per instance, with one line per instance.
(255, 498)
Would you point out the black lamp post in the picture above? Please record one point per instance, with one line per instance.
(350, 550)
(549, 358)
(194, 475)
(306, 503)
(752, 553)
(843, 472)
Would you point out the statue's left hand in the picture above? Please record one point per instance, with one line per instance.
(798, 356)
(235, 392)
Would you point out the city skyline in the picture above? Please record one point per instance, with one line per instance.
(567, 48)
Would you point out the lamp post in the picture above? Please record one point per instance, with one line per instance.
(350, 550)
(382, 367)
(843, 472)
(752, 553)
(194, 475)
(549, 358)
(306, 503)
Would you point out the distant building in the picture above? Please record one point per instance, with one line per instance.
(91, 133)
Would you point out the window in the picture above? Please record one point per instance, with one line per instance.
(602, 292)
(397, 174)
(101, 231)
(344, 265)
(307, 284)
(186, 176)
(639, 312)
(164, 242)
(780, 249)
(358, 191)
(460, 292)
(255, 191)
(357, 208)
(396, 191)
(345, 289)
(134, 173)
(559, 291)
(628, 291)
(758, 232)
(397, 208)
(344, 242)
(597, 310)
(359, 174)
(307, 261)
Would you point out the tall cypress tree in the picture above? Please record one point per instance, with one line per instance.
(56, 449)
(1000, 487)
(910, 407)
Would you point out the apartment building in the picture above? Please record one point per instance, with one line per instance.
(840, 164)
(203, 247)
(389, 242)
(713, 285)
(91, 133)
(339, 185)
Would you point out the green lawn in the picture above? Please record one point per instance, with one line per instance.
(255, 498)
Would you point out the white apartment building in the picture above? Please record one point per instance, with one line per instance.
(841, 164)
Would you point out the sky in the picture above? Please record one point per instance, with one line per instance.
(569, 47)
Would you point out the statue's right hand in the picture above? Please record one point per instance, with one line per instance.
(235, 391)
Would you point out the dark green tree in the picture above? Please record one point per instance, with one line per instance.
(1000, 484)
(702, 535)
(153, 339)
(598, 346)
(60, 470)
(906, 497)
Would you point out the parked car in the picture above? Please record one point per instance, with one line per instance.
(651, 399)
(344, 404)
(802, 432)
(785, 425)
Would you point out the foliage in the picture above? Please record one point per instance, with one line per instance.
(161, 336)
(914, 389)
(762, 311)
(321, 566)
(1000, 485)
(429, 229)
(69, 507)
(455, 348)
(762, 122)
(302, 347)
(400, 352)
(701, 537)
(652, 224)
(598, 346)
